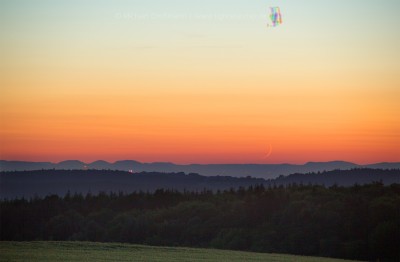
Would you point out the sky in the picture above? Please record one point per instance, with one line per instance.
(200, 81)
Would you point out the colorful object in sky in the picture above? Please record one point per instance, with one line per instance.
(275, 16)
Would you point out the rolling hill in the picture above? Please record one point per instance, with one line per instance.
(14, 184)
(266, 171)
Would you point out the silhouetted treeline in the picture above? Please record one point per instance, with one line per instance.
(44, 182)
(358, 222)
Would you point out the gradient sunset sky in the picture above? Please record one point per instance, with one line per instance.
(200, 81)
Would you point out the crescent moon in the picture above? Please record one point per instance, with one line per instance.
(269, 152)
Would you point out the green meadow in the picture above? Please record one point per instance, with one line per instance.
(90, 251)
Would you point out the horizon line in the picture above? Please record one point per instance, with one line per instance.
(186, 164)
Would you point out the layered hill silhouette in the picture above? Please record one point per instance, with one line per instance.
(266, 171)
(17, 184)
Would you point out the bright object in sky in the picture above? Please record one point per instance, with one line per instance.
(275, 16)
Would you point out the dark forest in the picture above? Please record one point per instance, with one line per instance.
(358, 222)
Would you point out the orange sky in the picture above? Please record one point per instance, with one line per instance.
(97, 87)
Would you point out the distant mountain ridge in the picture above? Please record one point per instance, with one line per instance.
(266, 171)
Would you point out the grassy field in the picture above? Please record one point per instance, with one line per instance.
(88, 251)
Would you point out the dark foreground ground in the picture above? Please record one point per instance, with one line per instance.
(89, 251)
(358, 222)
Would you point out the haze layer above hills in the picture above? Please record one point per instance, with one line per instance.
(266, 171)
(45, 182)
